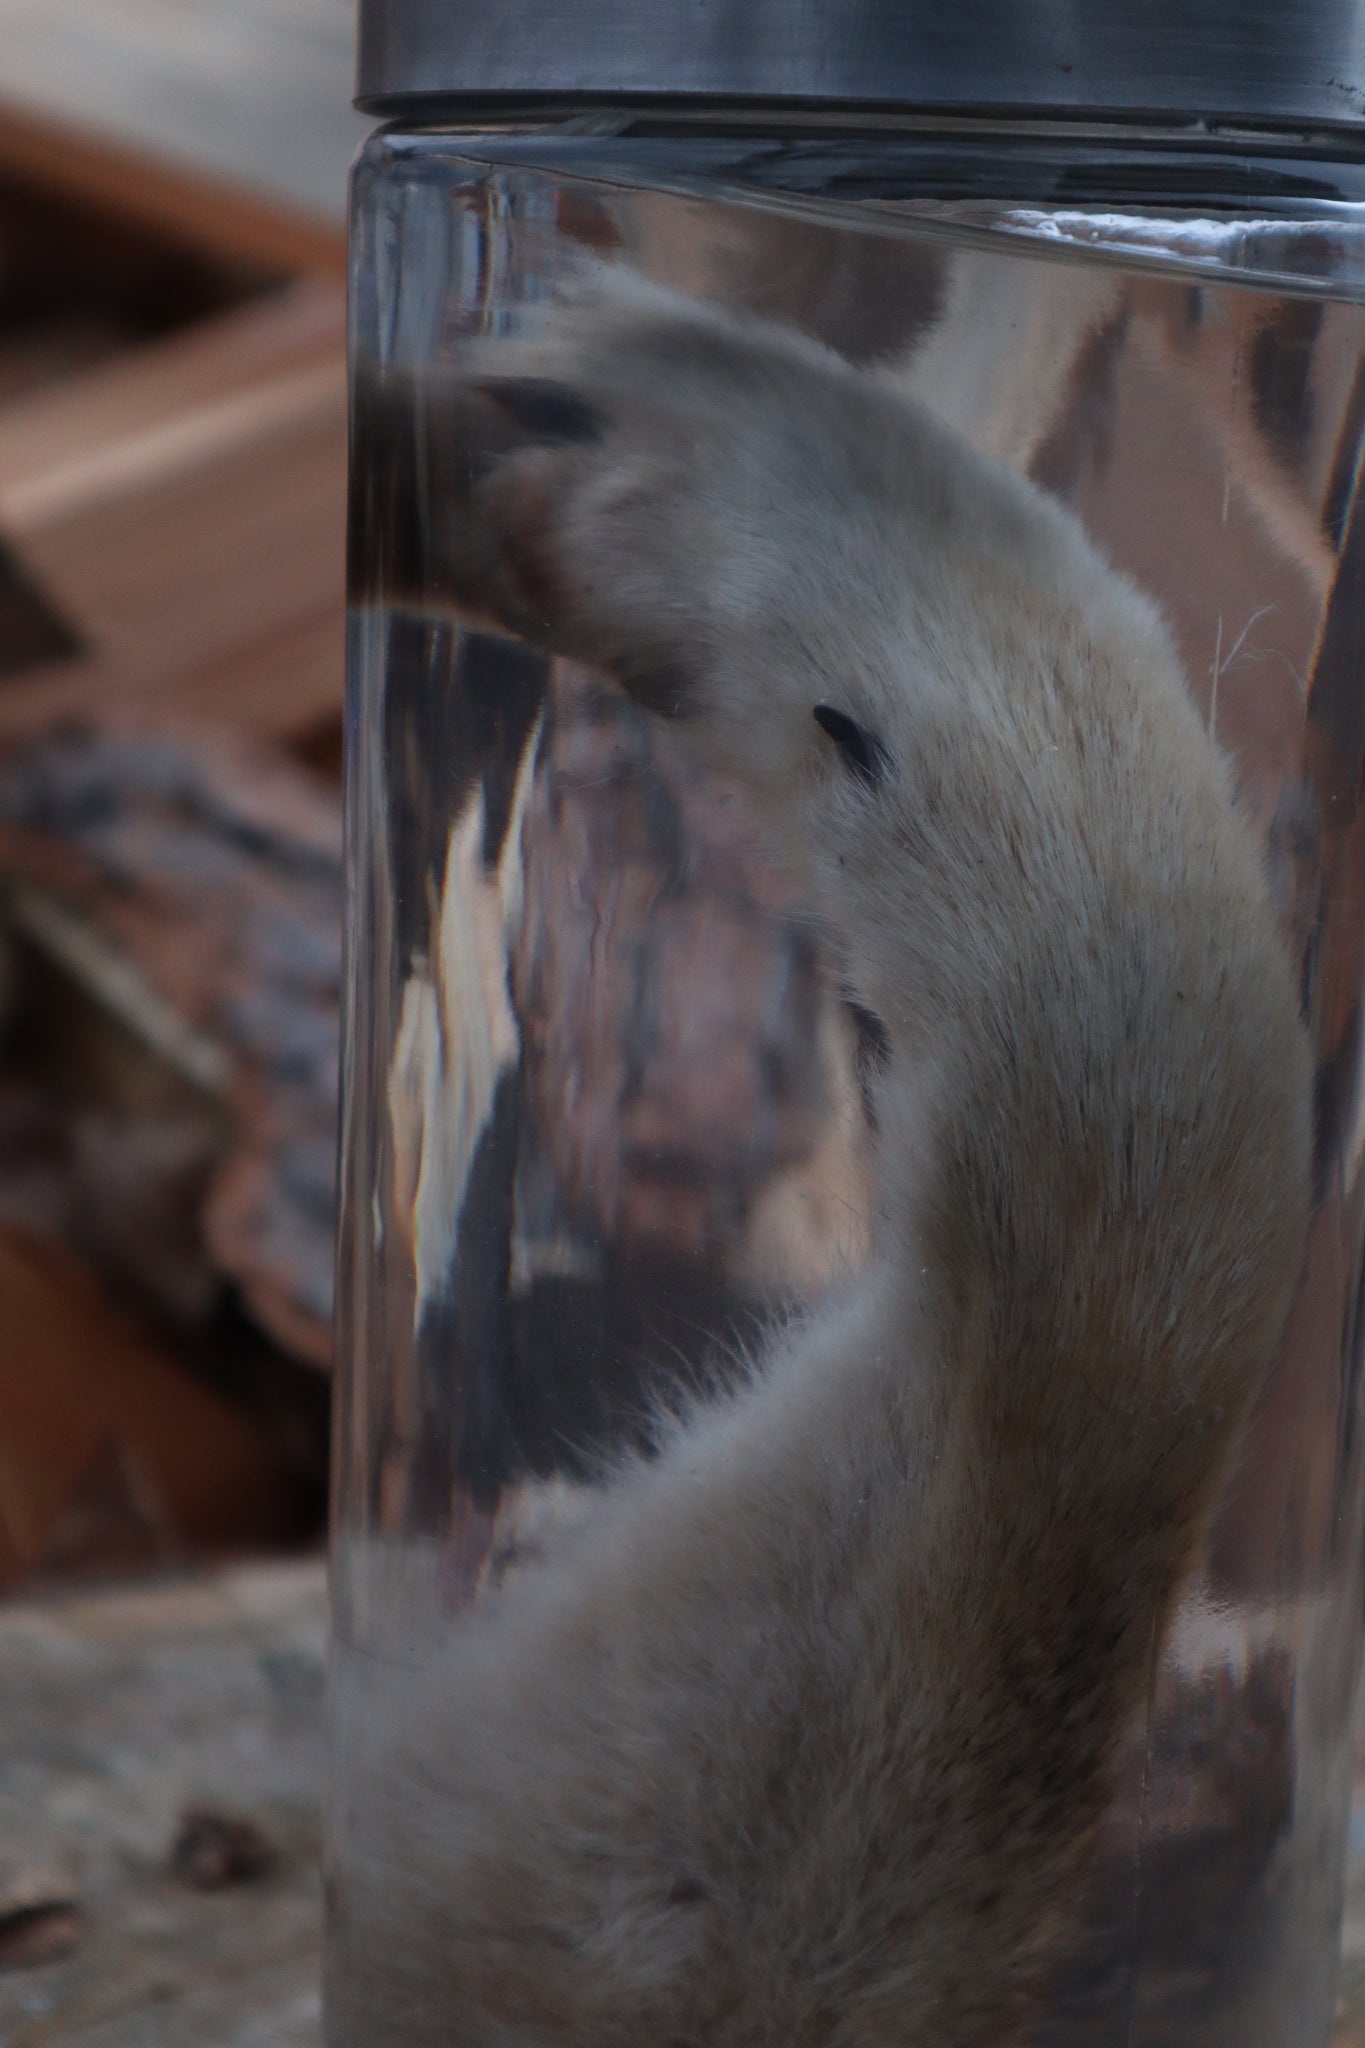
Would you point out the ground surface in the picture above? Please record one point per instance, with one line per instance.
(160, 1777)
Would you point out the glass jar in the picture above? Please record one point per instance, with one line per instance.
(613, 1108)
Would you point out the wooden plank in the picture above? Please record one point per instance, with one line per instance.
(237, 533)
(287, 687)
(247, 101)
(182, 511)
(124, 184)
(109, 408)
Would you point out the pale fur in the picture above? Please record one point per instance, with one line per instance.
(802, 1735)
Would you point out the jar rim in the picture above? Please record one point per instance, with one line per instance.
(1263, 62)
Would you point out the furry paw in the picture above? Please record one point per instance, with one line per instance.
(700, 505)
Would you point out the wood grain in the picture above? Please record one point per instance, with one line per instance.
(181, 510)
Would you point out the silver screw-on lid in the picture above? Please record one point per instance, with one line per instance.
(1264, 62)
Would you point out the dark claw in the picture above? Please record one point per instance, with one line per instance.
(863, 752)
(543, 408)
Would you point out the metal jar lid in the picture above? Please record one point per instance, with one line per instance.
(1260, 62)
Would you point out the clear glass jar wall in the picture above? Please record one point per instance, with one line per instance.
(601, 1111)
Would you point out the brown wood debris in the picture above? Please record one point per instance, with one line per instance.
(112, 1455)
(172, 504)
(186, 889)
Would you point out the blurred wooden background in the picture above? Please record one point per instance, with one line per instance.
(172, 506)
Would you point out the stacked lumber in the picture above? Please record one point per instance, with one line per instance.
(172, 507)
(181, 511)
(228, 121)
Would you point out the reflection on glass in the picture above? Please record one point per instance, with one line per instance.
(603, 1112)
